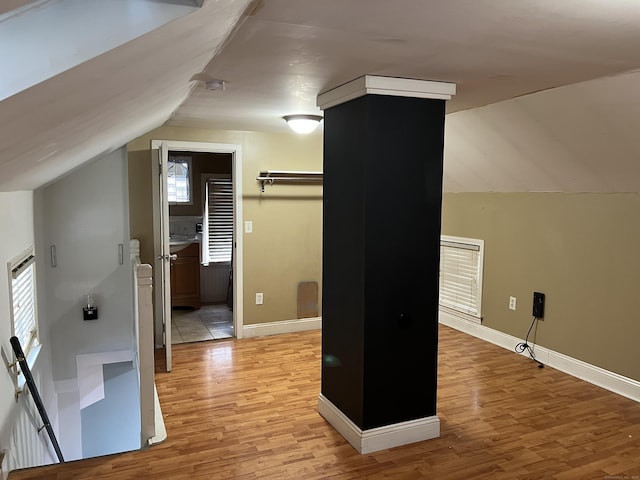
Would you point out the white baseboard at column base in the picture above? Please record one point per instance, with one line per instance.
(627, 387)
(381, 438)
(284, 326)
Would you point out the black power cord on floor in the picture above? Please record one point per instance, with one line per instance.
(522, 346)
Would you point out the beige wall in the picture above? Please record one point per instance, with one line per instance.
(579, 249)
(285, 247)
(572, 247)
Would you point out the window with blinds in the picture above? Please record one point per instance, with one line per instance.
(179, 179)
(23, 301)
(461, 275)
(219, 210)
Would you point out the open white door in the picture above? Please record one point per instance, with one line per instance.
(162, 277)
(162, 283)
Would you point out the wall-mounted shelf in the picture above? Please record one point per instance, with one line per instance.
(288, 176)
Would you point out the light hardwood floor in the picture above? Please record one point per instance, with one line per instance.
(247, 410)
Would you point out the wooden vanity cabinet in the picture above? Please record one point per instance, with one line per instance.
(185, 277)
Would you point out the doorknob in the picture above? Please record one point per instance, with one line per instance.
(168, 257)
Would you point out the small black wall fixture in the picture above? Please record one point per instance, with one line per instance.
(90, 311)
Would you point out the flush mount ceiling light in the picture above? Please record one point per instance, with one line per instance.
(303, 123)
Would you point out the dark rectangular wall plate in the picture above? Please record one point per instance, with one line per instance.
(538, 305)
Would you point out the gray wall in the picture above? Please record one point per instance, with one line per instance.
(85, 215)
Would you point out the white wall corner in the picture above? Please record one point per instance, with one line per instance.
(627, 387)
(4, 464)
(381, 438)
(284, 326)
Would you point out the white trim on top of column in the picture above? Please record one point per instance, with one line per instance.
(376, 85)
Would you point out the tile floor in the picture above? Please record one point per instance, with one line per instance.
(211, 322)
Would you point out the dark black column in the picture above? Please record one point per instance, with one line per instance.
(381, 248)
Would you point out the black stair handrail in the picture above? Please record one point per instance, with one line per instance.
(24, 367)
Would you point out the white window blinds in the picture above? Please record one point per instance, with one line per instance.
(461, 274)
(23, 301)
(219, 215)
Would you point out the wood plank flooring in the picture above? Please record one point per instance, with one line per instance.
(248, 410)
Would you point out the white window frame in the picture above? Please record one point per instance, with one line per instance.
(24, 264)
(206, 251)
(182, 159)
(464, 244)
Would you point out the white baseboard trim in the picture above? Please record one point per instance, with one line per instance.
(381, 438)
(611, 381)
(284, 326)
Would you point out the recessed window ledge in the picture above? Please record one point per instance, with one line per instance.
(32, 356)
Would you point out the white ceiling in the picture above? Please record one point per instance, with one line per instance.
(291, 50)
(282, 53)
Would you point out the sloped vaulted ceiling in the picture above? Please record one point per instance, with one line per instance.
(278, 55)
(578, 138)
(564, 138)
(494, 50)
(101, 104)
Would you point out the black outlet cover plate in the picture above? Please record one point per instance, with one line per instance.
(538, 305)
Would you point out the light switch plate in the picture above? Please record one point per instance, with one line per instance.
(248, 226)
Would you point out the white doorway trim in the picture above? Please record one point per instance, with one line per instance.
(236, 168)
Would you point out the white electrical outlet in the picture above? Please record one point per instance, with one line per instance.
(248, 226)
(512, 303)
(259, 298)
